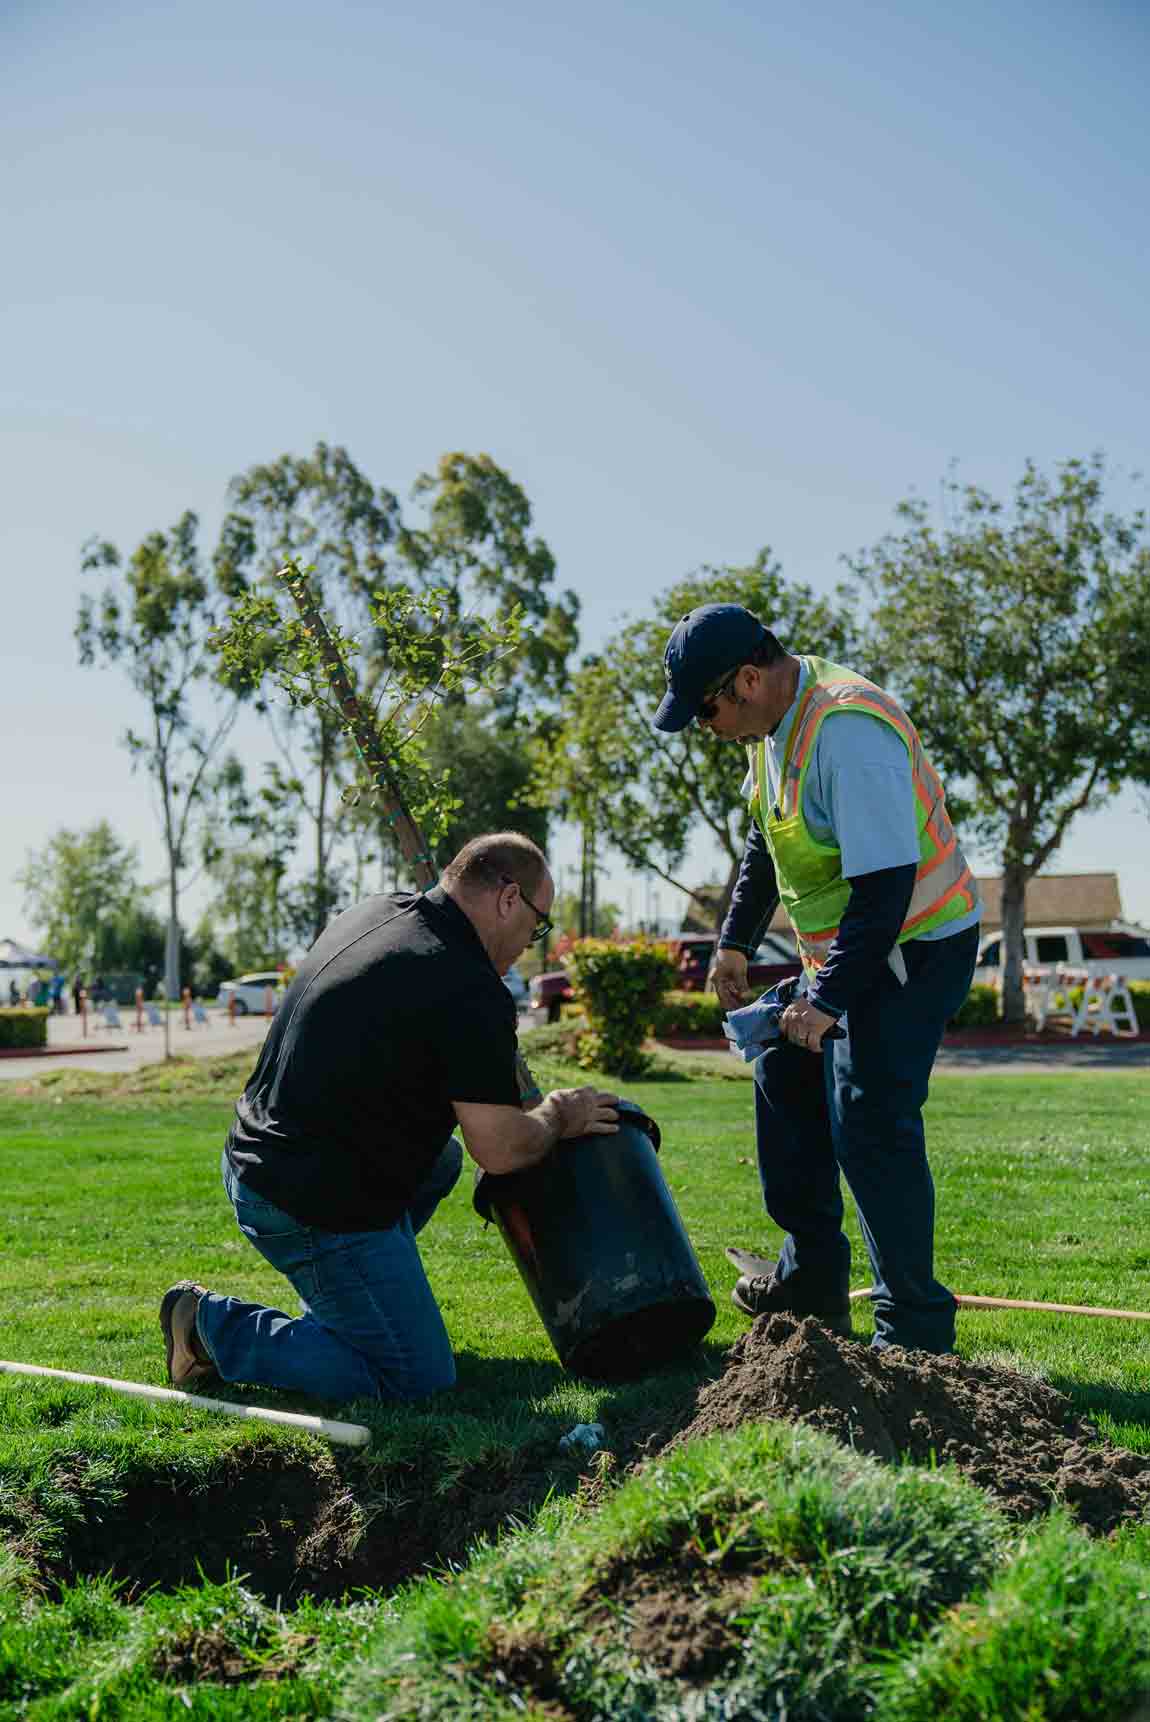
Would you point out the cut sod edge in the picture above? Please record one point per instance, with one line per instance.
(344, 1434)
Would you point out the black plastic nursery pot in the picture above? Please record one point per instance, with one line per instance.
(599, 1244)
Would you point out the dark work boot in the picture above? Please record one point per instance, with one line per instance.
(766, 1294)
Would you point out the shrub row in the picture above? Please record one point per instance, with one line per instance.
(23, 1025)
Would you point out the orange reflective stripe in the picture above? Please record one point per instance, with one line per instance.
(962, 883)
(798, 746)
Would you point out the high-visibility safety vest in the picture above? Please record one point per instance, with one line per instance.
(809, 873)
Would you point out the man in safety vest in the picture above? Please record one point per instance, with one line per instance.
(849, 830)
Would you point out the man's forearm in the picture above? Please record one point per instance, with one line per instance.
(524, 1138)
(869, 928)
(754, 898)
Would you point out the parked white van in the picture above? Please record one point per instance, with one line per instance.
(1119, 949)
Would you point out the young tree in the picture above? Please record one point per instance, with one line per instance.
(472, 563)
(153, 617)
(646, 794)
(1018, 634)
(79, 884)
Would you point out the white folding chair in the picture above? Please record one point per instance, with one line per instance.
(199, 1014)
(111, 1017)
(152, 1012)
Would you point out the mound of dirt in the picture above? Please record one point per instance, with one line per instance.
(1015, 1437)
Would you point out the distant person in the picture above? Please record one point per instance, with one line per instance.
(58, 994)
(77, 992)
(396, 1028)
(849, 829)
(13, 992)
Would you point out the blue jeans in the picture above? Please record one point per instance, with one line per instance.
(370, 1327)
(857, 1109)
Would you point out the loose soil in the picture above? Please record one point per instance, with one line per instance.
(1015, 1437)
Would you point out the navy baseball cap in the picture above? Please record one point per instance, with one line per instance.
(707, 644)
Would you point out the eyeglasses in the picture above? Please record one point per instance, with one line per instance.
(542, 925)
(709, 704)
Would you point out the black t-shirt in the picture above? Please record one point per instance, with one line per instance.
(396, 1011)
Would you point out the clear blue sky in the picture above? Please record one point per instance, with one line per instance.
(701, 277)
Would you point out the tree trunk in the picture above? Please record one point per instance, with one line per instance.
(1014, 879)
(319, 918)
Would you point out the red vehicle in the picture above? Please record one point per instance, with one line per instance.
(775, 960)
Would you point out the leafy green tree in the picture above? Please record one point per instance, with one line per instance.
(314, 665)
(248, 864)
(321, 509)
(153, 618)
(565, 915)
(75, 887)
(487, 765)
(645, 794)
(1018, 634)
(469, 565)
(476, 549)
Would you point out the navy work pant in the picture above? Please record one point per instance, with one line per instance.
(857, 1108)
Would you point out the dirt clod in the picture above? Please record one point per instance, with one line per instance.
(1015, 1437)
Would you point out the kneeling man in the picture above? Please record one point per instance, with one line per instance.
(396, 1029)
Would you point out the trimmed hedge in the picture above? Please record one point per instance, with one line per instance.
(1140, 993)
(701, 1013)
(619, 987)
(689, 1013)
(23, 1025)
(979, 1009)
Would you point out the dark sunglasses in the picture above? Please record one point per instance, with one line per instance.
(542, 925)
(709, 704)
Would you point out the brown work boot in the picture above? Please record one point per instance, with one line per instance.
(188, 1362)
(766, 1294)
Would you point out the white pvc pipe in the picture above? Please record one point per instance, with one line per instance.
(344, 1434)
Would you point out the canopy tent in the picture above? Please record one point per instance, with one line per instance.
(13, 955)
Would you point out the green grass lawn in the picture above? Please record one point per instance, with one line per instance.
(1042, 1193)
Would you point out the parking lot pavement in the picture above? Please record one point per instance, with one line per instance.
(129, 1048)
(1040, 1058)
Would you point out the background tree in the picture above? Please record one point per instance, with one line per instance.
(1018, 636)
(252, 915)
(153, 617)
(488, 767)
(472, 558)
(321, 509)
(75, 887)
(565, 915)
(477, 550)
(647, 795)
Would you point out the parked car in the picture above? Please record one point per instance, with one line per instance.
(775, 960)
(516, 986)
(550, 992)
(251, 991)
(1120, 949)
